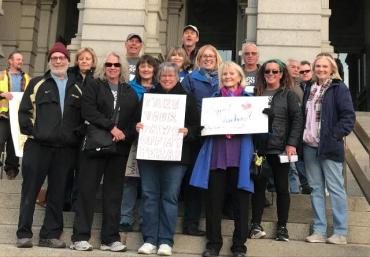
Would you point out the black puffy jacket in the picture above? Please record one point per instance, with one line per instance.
(285, 124)
(97, 108)
(40, 115)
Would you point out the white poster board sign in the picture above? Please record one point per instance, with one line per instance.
(234, 115)
(18, 138)
(162, 116)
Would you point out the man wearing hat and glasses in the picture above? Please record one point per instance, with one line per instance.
(133, 44)
(50, 115)
(190, 38)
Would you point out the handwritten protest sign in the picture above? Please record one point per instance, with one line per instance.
(18, 138)
(162, 116)
(234, 115)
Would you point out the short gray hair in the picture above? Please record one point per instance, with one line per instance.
(124, 75)
(168, 67)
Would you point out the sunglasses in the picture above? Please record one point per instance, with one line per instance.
(304, 71)
(109, 64)
(272, 71)
(250, 53)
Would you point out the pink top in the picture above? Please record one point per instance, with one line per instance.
(311, 134)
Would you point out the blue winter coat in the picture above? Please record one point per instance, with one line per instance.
(337, 120)
(199, 86)
(200, 174)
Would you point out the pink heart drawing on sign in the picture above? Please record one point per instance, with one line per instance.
(246, 106)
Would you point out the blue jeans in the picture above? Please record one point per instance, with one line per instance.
(293, 179)
(160, 185)
(301, 173)
(129, 199)
(320, 173)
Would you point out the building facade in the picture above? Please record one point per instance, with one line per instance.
(281, 29)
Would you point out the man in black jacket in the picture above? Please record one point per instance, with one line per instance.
(50, 115)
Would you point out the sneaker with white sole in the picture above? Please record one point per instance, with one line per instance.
(116, 246)
(257, 231)
(81, 246)
(316, 238)
(147, 248)
(164, 250)
(337, 239)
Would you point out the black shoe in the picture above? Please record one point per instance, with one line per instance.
(11, 174)
(238, 254)
(306, 190)
(282, 234)
(24, 242)
(256, 231)
(125, 227)
(193, 232)
(210, 253)
(52, 243)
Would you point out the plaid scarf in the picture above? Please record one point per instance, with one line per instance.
(315, 98)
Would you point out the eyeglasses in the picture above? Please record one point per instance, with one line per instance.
(272, 71)
(304, 71)
(109, 64)
(209, 56)
(56, 58)
(250, 53)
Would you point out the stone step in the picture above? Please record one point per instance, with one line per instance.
(188, 245)
(10, 198)
(297, 231)
(9, 216)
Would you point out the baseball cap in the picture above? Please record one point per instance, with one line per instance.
(191, 27)
(132, 35)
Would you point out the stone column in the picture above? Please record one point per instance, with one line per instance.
(251, 20)
(152, 25)
(325, 15)
(241, 30)
(28, 32)
(76, 41)
(289, 29)
(46, 11)
(1, 14)
(174, 32)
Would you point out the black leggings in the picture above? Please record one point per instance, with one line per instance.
(280, 174)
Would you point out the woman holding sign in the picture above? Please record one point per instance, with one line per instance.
(161, 180)
(285, 128)
(223, 162)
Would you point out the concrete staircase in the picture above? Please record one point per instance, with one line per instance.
(299, 226)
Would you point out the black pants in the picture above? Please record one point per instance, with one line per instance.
(280, 175)
(91, 173)
(71, 190)
(11, 161)
(217, 185)
(193, 196)
(38, 162)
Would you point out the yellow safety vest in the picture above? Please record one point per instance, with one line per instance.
(5, 86)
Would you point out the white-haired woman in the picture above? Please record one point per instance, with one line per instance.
(98, 106)
(223, 162)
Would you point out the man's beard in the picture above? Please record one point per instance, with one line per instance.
(59, 71)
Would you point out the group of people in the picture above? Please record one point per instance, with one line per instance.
(309, 113)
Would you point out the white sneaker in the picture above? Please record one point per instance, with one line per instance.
(316, 238)
(81, 246)
(114, 247)
(337, 239)
(164, 250)
(147, 248)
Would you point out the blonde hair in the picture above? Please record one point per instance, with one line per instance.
(333, 64)
(90, 51)
(201, 52)
(124, 74)
(181, 52)
(231, 65)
